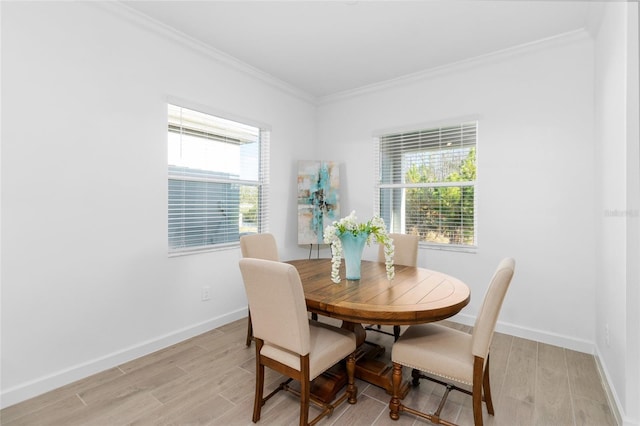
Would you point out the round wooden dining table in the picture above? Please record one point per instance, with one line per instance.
(415, 296)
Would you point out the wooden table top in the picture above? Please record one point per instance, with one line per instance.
(414, 296)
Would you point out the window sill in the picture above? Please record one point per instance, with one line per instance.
(200, 250)
(443, 247)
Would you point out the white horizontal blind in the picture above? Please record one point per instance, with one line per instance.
(427, 182)
(217, 175)
(263, 193)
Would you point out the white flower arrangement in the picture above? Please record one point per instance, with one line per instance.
(375, 230)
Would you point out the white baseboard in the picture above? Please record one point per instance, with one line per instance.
(612, 396)
(55, 380)
(542, 336)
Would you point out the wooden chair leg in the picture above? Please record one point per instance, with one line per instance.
(480, 384)
(249, 330)
(305, 390)
(396, 333)
(352, 390)
(487, 388)
(476, 393)
(415, 374)
(257, 403)
(394, 404)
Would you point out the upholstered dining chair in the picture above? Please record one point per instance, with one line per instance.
(435, 351)
(257, 246)
(287, 342)
(406, 253)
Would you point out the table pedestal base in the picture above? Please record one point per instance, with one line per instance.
(374, 371)
(326, 386)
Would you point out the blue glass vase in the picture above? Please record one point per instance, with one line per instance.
(352, 247)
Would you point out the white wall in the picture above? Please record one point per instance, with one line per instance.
(618, 190)
(535, 198)
(86, 280)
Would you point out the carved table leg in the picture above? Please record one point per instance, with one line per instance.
(394, 404)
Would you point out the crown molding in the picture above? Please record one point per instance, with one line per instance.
(139, 19)
(492, 57)
(119, 8)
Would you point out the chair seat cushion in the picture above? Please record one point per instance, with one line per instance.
(328, 345)
(436, 349)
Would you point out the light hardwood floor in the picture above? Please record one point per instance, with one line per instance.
(209, 380)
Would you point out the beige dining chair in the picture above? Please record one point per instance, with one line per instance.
(290, 344)
(257, 246)
(405, 253)
(452, 355)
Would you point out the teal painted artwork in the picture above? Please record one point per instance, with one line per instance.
(318, 199)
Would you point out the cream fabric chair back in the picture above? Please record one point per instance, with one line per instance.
(490, 309)
(406, 253)
(278, 307)
(259, 246)
(406, 249)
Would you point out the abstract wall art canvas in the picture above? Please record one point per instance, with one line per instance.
(318, 199)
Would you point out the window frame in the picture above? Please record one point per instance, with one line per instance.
(262, 182)
(379, 185)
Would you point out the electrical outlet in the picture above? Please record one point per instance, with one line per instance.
(607, 339)
(206, 293)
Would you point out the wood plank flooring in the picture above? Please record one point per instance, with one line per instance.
(209, 380)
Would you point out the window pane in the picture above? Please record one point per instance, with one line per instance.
(249, 208)
(213, 144)
(443, 214)
(202, 213)
(436, 155)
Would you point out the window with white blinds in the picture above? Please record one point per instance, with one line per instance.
(426, 183)
(218, 178)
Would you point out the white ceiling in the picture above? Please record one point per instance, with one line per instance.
(327, 47)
